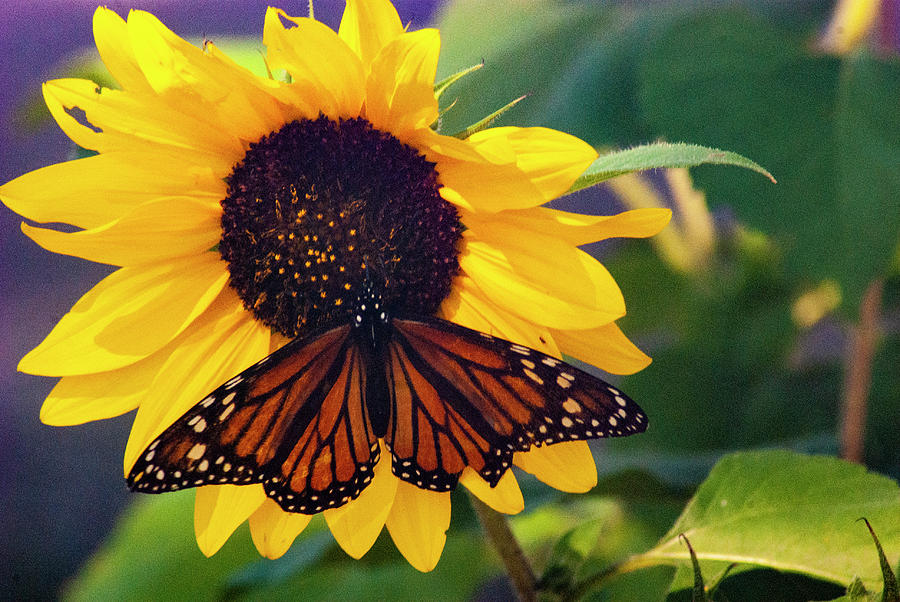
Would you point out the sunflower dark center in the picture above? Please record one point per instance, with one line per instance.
(320, 207)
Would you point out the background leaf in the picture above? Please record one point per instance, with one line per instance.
(789, 512)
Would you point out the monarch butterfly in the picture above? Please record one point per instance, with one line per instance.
(306, 420)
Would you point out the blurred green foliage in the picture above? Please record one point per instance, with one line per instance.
(732, 370)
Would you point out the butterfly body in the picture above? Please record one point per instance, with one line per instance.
(307, 420)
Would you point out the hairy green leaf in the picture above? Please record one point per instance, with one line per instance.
(660, 154)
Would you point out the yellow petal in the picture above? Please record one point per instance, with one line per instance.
(128, 315)
(367, 26)
(550, 159)
(577, 229)
(605, 346)
(496, 172)
(541, 279)
(273, 530)
(91, 192)
(223, 342)
(438, 148)
(567, 466)
(400, 88)
(356, 525)
(508, 168)
(418, 524)
(454, 198)
(220, 509)
(488, 187)
(202, 81)
(80, 399)
(157, 230)
(467, 306)
(114, 46)
(506, 497)
(318, 61)
(110, 120)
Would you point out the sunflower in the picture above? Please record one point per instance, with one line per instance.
(242, 210)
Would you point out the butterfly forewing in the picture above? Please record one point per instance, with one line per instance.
(463, 398)
(260, 425)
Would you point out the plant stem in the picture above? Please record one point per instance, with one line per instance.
(858, 374)
(507, 546)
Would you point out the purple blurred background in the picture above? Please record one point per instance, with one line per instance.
(61, 488)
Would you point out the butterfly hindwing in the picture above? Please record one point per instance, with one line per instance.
(464, 398)
(330, 459)
(285, 422)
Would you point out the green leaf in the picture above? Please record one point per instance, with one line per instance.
(265, 572)
(729, 336)
(788, 512)
(152, 552)
(382, 574)
(660, 154)
(153, 547)
(827, 126)
(527, 48)
(625, 514)
(867, 140)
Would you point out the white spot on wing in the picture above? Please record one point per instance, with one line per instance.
(197, 451)
(533, 376)
(226, 412)
(571, 406)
